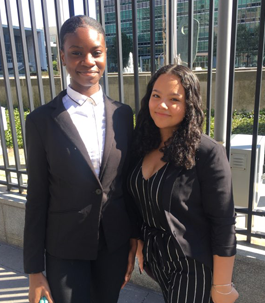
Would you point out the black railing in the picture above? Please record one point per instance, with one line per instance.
(210, 65)
(250, 211)
(15, 172)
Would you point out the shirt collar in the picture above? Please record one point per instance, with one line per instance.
(80, 99)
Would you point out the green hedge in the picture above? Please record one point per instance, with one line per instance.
(8, 133)
(242, 124)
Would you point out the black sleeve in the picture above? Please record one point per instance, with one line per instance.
(37, 200)
(217, 197)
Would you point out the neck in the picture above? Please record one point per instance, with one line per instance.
(165, 135)
(89, 91)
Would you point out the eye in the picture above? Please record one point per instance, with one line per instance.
(76, 53)
(155, 95)
(97, 53)
(175, 99)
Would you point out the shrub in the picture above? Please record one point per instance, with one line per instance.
(54, 64)
(242, 123)
(8, 133)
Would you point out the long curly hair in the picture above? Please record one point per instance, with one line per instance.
(179, 149)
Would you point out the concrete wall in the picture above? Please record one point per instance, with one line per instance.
(12, 217)
(244, 90)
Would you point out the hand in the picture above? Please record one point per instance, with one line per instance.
(139, 255)
(38, 287)
(131, 260)
(223, 295)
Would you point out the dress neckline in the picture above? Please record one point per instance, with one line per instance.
(155, 173)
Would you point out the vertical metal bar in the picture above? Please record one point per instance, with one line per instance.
(59, 24)
(135, 56)
(9, 101)
(48, 47)
(102, 21)
(190, 42)
(10, 111)
(210, 67)
(86, 7)
(36, 49)
(3, 143)
(119, 49)
(231, 79)
(169, 31)
(18, 92)
(174, 32)
(71, 8)
(25, 55)
(152, 36)
(27, 71)
(256, 118)
(222, 69)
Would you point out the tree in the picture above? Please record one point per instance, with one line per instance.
(247, 42)
(127, 47)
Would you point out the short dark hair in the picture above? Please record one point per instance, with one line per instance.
(71, 24)
(181, 147)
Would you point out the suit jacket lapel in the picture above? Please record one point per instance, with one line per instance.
(64, 121)
(171, 181)
(109, 133)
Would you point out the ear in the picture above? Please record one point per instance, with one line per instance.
(62, 57)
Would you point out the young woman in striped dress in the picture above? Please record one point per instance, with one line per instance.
(181, 183)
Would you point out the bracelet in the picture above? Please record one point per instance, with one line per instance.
(229, 284)
(220, 285)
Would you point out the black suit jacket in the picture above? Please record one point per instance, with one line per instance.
(198, 204)
(200, 212)
(66, 200)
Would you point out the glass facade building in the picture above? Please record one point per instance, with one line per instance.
(248, 19)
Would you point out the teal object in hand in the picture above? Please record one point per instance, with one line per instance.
(43, 300)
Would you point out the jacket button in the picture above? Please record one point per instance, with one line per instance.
(98, 191)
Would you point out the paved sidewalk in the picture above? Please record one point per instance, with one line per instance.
(14, 283)
(248, 276)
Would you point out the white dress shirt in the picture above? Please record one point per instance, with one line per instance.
(88, 116)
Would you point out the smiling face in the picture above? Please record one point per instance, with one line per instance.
(167, 104)
(84, 56)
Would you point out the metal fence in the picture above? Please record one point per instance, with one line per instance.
(13, 171)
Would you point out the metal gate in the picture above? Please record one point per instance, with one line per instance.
(34, 44)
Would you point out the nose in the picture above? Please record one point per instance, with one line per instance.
(88, 60)
(163, 105)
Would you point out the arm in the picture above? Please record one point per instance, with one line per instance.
(139, 255)
(130, 207)
(217, 197)
(36, 210)
(37, 200)
(131, 261)
(223, 290)
(216, 185)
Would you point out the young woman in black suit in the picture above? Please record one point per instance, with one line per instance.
(77, 222)
(182, 186)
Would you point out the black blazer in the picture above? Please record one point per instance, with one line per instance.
(66, 200)
(198, 204)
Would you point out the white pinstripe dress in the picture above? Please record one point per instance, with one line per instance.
(181, 278)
